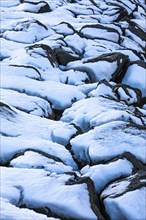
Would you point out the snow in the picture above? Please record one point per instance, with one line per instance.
(42, 190)
(87, 88)
(136, 77)
(97, 71)
(12, 212)
(48, 90)
(130, 206)
(132, 56)
(30, 104)
(76, 78)
(83, 113)
(28, 7)
(65, 128)
(26, 31)
(130, 44)
(135, 38)
(76, 43)
(129, 98)
(99, 33)
(105, 173)
(105, 142)
(63, 28)
(10, 146)
(21, 131)
(32, 159)
(102, 90)
(9, 3)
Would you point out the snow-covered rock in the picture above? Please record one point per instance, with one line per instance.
(96, 68)
(109, 140)
(29, 104)
(26, 31)
(96, 111)
(21, 131)
(126, 198)
(135, 76)
(52, 193)
(73, 109)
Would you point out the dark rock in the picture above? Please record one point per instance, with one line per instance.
(64, 57)
(143, 102)
(45, 8)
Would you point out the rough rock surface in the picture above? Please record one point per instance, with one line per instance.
(73, 110)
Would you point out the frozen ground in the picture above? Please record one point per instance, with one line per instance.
(73, 110)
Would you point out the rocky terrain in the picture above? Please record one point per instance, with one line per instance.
(73, 110)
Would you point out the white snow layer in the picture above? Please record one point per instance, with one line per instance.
(136, 77)
(102, 174)
(42, 190)
(106, 142)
